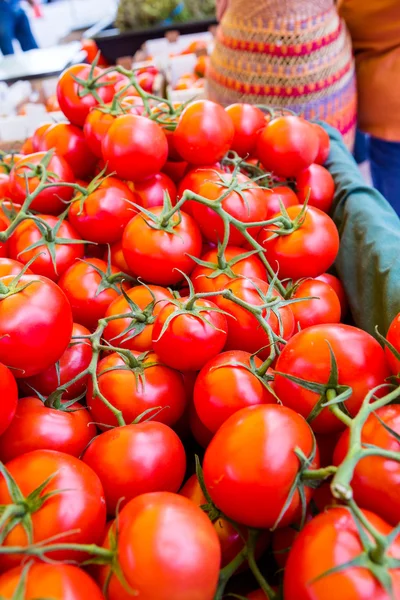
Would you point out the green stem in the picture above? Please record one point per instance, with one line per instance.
(227, 572)
(376, 554)
(251, 545)
(319, 474)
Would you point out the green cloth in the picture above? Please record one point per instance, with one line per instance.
(369, 258)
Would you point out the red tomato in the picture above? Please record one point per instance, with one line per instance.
(361, 365)
(201, 434)
(287, 145)
(316, 184)
(376, 479)
(227, 384)
(194, 180)
(135, 147)
(102, 215)
(136, 459)
(257, 595)
(393, 336)
(246, 477)
(244, 330)
(188, 340)
(329, 541)
(247, 121)
(73, 103)
(9, 397)
(308, 250)
(82, 283)
(70, 143)
(78, 506)
(75, 360)
(204, 133)
(323, 308)
(277, 195)
(51, 265)
(37, 136)
(213, 278)
(191, 571)
(4, 185)
(52, 200)
(152, 190)
(117, 257)
(38, 427)
(58, 581)
(3, 245)
(130, 332)
(9, 266)
(175, 169)
(323, 144)
(155, 253)
(336, 285)
(134, 390)
(27, 146)
(35, 324)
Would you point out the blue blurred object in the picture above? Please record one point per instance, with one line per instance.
(175, 13)
(360, 151)
(384, 159)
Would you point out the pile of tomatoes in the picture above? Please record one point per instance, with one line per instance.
(164, 293)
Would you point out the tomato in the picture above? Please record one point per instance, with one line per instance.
(58, 581)
(129, 332)
(287, 145)
(247, 205)
(9, 397)
(75, 360)
(316, 184)
(134, 390)
(136, 459)
(52, 200)
(102, 215)
(375, 479)
(393, 336)
(90, 290)
(65, 252)
(307, 251)
(188, 340)
(323, 308)
(79, 504)
(9, 266)
(70, 143)
(212, 278)
(336, 285)
(135, 147)
(73, 103)
(37, 136)
(3, 245)
(329, 541)
(35, 324)
(277, 195)
(152, 190)
(155, 253)
(38, 427)
(204, 133)
(175, 169)
(191, 571)
(360, 361)
(257, 595)
(323, 144)
(117, 257)
(27, 146)
(250, 465)
(244, 330)
(194, 180)
(247, 121)
(4, 185)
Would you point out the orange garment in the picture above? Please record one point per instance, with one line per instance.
(374, 26)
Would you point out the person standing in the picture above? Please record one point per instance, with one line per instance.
(288, 54)
(374, 26)
(14, 25)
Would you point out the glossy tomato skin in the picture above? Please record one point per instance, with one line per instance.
(204, 133)
(306, 252)
(3, 245)
(102, 216)
(287, 145)
(79, 506)
(135, 147)
(9, 397)
(204, 279)
(336, 285)
(141, 296)
(58, 581)
(247, 121)
(37, 427)
(152, 190)
(193, 181)
(37, 136)
(75, 360)
(246, 478)
(28, 233)
(35, 325)
(163, 388)
(76, 107)
(70, 143)
(156, 254)
(323, 308)
(316, 184)
(323, 144)
(52, 200)
(183, 527)
(277, 195)
(188, 342)
(393, 336)
(136, 459)
(225, 385)
(332, 539)
(4, 185)
(361, 365)
(9, 266)
(375, 479)
(117, 257)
